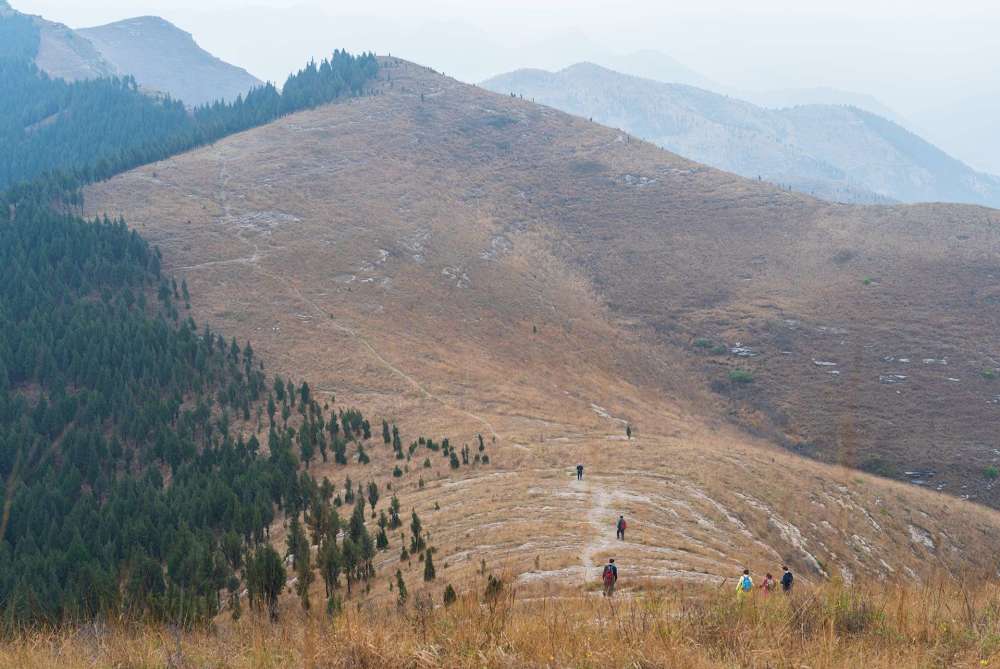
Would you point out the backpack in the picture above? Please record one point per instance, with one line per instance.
(608, 575)
(786, 580)
(745, 583)
(621, 524)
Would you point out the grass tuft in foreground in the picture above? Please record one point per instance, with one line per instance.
(945, 624)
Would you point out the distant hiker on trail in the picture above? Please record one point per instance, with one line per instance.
(579, 472)
(609, 577)
(744, 586)
(620, 528)
(628, 431)
(786, 581)
(769, 585)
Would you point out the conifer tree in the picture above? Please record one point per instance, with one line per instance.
(305, 576)
(265, 579)
(330, 564)
(356, 527)
(429, 571)
(382, 540)
(394, 520)
(416, 537)
(401, 593)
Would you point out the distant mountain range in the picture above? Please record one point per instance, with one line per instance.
(162, 58)
(180, 67)
(658, 66)
(837, 152)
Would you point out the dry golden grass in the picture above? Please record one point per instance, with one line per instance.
(942, 625)
(439, 224)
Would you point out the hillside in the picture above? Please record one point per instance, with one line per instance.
(490, 266)
(164, 58)
(838, 153)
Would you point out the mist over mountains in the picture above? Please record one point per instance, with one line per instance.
(836, 152)
(163, 58)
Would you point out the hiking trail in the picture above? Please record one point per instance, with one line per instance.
(601, 525)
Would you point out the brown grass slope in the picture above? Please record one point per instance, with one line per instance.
(470, 263)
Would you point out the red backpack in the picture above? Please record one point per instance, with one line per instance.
(608, 574)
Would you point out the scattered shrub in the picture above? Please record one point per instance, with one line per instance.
(494, 588)
(741, 376)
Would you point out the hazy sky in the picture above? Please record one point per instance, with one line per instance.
(934, 63)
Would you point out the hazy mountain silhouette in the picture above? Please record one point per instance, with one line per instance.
(837, 152)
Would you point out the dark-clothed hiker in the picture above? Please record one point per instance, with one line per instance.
(620, 527)
(609, 577)
(787, 580)
(579, 472)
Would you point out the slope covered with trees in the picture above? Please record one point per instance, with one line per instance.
(89, 130)
(129, 484)
(104, 396)
(131, 473)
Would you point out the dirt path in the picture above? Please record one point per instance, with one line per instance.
(601, 519)
(249, 260)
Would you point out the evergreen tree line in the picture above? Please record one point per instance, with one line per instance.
(125, 487)
(127, 482)
(75, 133)
(128, 486)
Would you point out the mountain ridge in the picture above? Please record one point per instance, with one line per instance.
(838, 153)
(163, 58)
(183, 68)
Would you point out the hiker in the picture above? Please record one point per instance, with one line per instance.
(744, 586)
(620, 528)
(769, 585)
(628, 432)
(609, 576)
(786, 580)
(579, 472)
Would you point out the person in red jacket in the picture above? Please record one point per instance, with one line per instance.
(620, 527)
